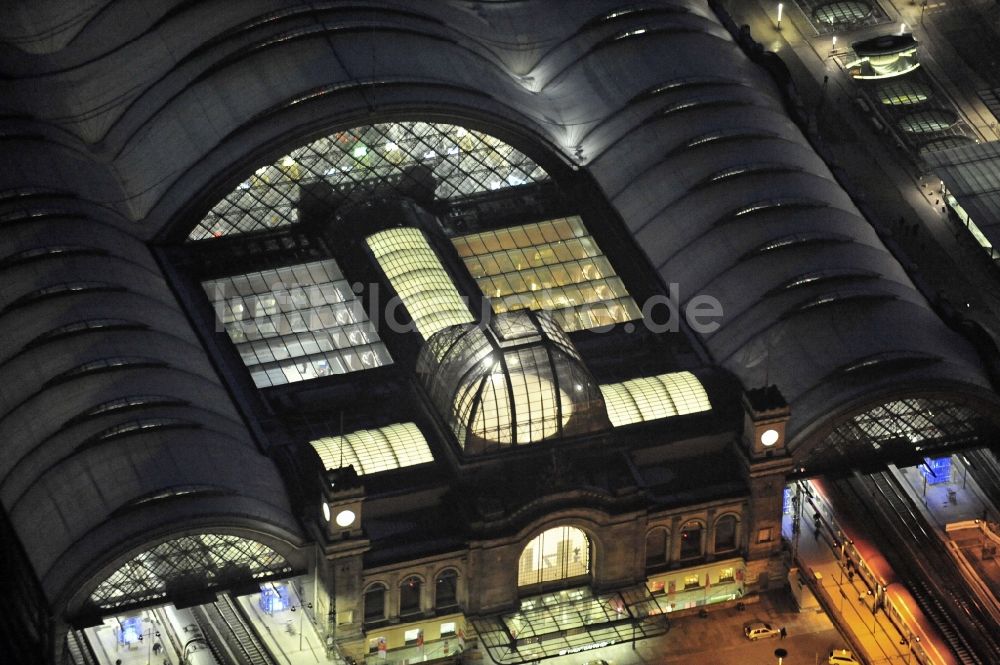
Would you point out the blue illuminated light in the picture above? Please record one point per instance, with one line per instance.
(129, 630)
(273, 597)
(936, 470)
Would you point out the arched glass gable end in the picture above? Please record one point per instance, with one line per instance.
(463, 162)
(206, 560)
(900, 429)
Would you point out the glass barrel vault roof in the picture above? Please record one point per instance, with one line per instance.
(374, 450)
(654, 397)
(419, 279)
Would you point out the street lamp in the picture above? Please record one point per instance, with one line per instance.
(781, 7)
(149, 632)
(780, 654)
(301, 618)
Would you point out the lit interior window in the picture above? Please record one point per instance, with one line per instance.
(422, 283)
(374, 450)
(463, 162)
(654, 397)
(553, 265)
(296, 323)
(554, 555)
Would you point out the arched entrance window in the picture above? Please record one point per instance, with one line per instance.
(726, 529)
(446, 590)
(409, 596)
(691, 537)
(555, 554)
(375, 602)
(656, 547)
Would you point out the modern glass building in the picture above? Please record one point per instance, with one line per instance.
(449, 325)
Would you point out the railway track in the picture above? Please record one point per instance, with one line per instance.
(919, 558)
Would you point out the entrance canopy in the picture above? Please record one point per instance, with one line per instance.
(570, 621)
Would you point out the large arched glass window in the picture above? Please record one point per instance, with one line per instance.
(726, 529)
(463, 162)
(409, 596)
(375, 602)
(691, 537)
(656, 547)
(218, 560)
(555, 554)
(446, 590)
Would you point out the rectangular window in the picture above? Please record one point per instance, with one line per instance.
(411, 636)
(345, 617)
(655, 587)
(765, 535)
(448, 629)
(553, 265)
(727, 575)
(296, 323)
(692, 581)
(373, 644)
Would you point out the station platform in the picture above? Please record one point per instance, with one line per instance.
(955, 499)
(846, 599)
(290, 636)
(113, 648)
(967, 520)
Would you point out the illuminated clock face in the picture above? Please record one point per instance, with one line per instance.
(326, 511)
(345, 518)
(769, 437)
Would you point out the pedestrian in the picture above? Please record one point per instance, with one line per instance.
(783, 633)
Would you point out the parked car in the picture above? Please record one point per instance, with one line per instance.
(759, 630)
(842, 657)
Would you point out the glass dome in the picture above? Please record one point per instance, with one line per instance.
(517, 381)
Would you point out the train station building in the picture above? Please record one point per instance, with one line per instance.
(462, 329)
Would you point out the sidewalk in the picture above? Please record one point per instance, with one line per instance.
(719, 640)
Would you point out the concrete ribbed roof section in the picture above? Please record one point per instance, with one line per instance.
(154, 111)
(114, 427)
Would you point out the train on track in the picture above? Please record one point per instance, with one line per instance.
(860, 555)
(190, 640)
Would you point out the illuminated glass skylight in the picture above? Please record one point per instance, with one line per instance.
(374, 450)
(654, 397)
(554, 266)
(419, 279)
(463, 162)
(296, 323)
